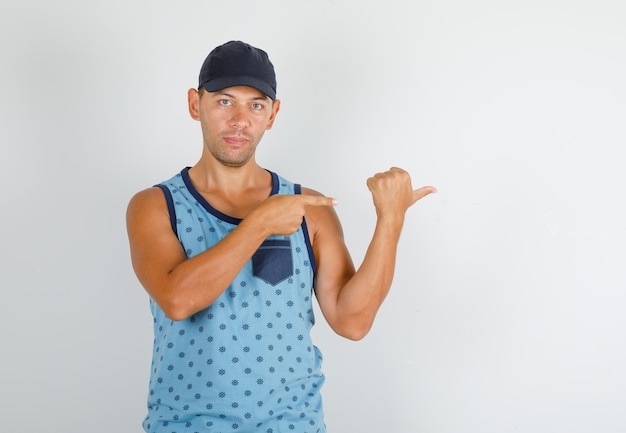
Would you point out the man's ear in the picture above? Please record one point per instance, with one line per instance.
(193, 100)
(275, 109)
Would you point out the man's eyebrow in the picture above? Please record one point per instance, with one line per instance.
(256, 98)
(221, 93)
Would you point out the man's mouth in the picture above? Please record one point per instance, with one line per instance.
(236, 140)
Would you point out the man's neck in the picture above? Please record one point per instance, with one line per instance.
(213, 176)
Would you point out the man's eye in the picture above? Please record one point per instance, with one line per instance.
(257, 106)
(224, 102)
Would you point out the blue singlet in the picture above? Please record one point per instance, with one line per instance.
(246, 364)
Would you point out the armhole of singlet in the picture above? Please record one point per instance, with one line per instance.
(170, 206)
(297, 189)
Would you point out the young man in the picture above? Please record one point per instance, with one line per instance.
(231, 254)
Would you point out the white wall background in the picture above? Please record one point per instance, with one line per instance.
(507, 312)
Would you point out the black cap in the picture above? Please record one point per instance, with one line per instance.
(238, 64)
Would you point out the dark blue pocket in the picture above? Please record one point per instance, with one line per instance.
(272, 262)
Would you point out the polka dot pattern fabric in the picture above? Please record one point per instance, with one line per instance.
(247, 363)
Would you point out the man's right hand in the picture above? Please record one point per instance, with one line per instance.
(282, 214)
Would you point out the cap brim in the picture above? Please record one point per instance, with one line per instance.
(225, 82)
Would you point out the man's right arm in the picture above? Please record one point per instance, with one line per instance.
(182, 286)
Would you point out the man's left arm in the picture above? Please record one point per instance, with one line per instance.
(349, 298)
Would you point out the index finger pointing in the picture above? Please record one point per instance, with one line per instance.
(318, 200)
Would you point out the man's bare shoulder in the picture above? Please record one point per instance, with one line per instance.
(309, 191)
(146, 201)
(320, 218)
(149, 225)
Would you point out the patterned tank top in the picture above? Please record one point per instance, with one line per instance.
(246, 363)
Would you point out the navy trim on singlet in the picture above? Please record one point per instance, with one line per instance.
(170, 207)
(297, 188)
(206, 205)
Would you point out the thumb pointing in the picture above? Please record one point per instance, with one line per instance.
(423, 192)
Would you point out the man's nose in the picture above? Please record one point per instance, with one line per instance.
(239, 118)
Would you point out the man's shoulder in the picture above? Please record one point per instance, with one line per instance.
(154, 195)
(145, 199)
(309, 191)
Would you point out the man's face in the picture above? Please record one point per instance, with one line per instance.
(233, 121)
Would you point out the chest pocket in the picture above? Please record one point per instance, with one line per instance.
(273, 262)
